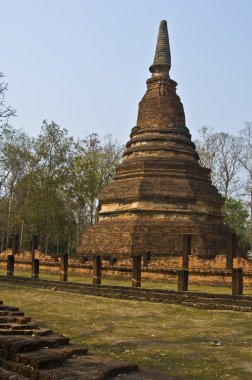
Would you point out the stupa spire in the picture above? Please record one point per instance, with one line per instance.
(159, 192)
(162, 59)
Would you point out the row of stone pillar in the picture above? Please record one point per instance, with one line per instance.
(237, 281)
(183, 274)
(136, 271)
(35, 267)
(230, 252)
(183, 277)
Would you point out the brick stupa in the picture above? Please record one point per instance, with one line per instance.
(160, 192)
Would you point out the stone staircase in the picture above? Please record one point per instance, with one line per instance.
(30, 352)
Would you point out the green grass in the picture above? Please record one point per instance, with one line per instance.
(156, 284)
(170, 338)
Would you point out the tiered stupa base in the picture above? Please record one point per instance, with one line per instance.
(160, 191)
(159, 237)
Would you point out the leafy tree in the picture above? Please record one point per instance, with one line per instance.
(237, 217)
(92, 169)
(53, 152)
(14, 163)
(50, 184)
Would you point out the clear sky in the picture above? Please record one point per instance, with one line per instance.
(84, 63)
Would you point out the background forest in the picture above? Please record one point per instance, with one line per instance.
(49, 184)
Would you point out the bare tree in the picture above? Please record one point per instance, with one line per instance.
(221, 152)
(6, 132)
(246, 158)
(6, 112)
(246, 162)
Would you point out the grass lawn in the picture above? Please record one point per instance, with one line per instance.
(145, 283)
(173, 339)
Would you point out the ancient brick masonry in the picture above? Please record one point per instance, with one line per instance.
(160, 191)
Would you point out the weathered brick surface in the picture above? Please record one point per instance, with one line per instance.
(160, 192)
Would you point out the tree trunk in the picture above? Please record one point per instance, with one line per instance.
(21, 235)
(9, 217)
(2, 242)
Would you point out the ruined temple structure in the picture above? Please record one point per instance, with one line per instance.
(160, 192)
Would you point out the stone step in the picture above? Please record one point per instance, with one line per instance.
(35, 332)
(8, 308)
(17, 313)
(11, 313)
(9, 375)
(18, 327)
(45, 358)
(15, 343)
(88, 367)
(7, 319)
(23, 319)
(10, 319)
(18, 369)
(41, 332)
(81, 368)
(3, 313)
(23, 326)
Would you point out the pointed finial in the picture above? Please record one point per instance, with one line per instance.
(162, 59)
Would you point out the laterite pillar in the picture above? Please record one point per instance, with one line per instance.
(136, 272)
(97, 266)
(237, 281)
(10, 265)
(231, 251)
(35, 268)
(183, 280)
(64, 267)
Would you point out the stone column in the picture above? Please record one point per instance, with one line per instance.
(64, 267)
(187, 247)
(136, 272)
(97, 265)
(10, 265)
(237, 281)
(34, 245)
(35, 268)
(15, 245)
(231, 251)
(183, 280)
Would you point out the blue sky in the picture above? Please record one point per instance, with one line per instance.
(84, 64)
